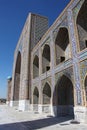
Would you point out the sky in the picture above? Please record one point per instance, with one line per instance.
(13, 14)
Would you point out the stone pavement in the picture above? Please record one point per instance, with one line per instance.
(12, 119)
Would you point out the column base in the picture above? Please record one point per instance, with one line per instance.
(80, 114)
(7, 102)
(13, 103)
(40, 108)
(36, 108)
(54, 111)
(24, 105)
(46, 108)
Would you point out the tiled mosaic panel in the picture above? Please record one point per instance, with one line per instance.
(75, 57)
(83, 71)
(39, 27)
(61, 23)
(77, 8)
(68, 72)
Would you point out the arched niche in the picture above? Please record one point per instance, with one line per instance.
(46, 58)
(35, 67)
(46, 94)
(63, 97)
(36, 96)
(62, 45)
(17, 77)
(82, 26)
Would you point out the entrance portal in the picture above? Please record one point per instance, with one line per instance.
(65, 98)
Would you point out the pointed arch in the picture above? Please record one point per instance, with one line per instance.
(46, 93)
(63, 97)
(82, 26)
(46, 58)
(17, 77)
(62, 45)
(36, 66)
(35, 96)
(18, 63)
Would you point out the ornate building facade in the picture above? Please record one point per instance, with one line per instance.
(50, 65)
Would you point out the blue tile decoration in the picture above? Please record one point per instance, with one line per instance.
(77, 8)
(75, 57)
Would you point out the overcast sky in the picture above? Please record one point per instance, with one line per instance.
(13, 14)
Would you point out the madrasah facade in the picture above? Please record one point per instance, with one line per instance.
(50, 64)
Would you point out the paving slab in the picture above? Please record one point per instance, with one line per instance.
(12, 119)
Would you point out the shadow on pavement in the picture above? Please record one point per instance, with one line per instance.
(34, 124)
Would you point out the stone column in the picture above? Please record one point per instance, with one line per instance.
(40, 88)
(40, 105)
(40, 61)
(75, 66)
(52, 47)
(75, 57)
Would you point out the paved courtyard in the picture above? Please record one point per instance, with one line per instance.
(12, 119)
